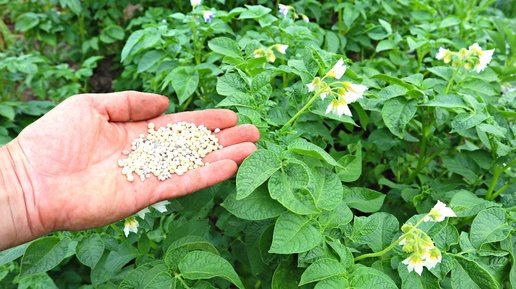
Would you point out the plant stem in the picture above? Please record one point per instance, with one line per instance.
(387, 249)
(496, 174)
(341, 30)
(452, 78)
(305, 107)
(422, 149)
(117, 229)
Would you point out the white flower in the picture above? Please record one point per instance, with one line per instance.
(431, 258)
(305, 18)
(208, 16)
(142, 213)
(339, 107)
(130, 225)
(444, 54)
(281, 48)
(414, 263)
(164, 21)
(195, 3)
(439, 212)
(312, 86)
(484, 56)
(338, 70)
(161, 206)
(283, 9)
(354, 91)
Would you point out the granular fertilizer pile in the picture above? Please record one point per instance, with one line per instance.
(175, 148)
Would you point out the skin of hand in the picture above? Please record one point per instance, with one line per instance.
(61, 172)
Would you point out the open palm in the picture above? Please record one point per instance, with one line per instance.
(69, 159)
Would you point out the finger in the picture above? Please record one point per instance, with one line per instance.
(129, 105)
(238, 134)
(236, 153)
(210, 118)
(195, 180)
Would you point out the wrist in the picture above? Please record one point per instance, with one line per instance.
(16, 228)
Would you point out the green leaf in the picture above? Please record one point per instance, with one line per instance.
(7, 111)
(254, 12)
(466, 204)
(352, 165)
(295, 234)
(449, 21)
(377, 231)
(363, 199)
(327, 189)
(261, 87)
(445, 237)
(185, 81)
(204, 265)
(89, 250)
(467, 120)
(111, 33)
(289, 187)
(367, 278)
(233, 86)
(43, 255)
(444, 72)
(490, 225)
(225, 46)
(312, 150)
(447, 101)
(463, 165)
(112, 262)
(130, 43)
(26, 21)
(11, 254)
(332, 283)
(386, 44)
(145, 275)
(397, 113)
(286, 276)
(393, 80)
(257, 206)
(75, 5)
(469, 274)
(322, 269)
(392, 91)
(332, 42)
(192, 242)
(149, 60)
(337, 217)
(255, 170)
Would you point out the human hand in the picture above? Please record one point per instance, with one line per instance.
(65, 164)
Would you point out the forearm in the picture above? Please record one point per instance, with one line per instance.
(15, 227)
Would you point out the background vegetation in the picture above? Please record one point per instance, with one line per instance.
(335, 190)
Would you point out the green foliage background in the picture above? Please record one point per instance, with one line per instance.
(321, 201)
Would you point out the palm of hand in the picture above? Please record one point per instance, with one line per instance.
(70, 156)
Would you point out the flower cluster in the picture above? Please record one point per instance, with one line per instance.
(343, 92)
(473, 57)
(423, 252)
(284, 9)
(131, 224)
(268, 52)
